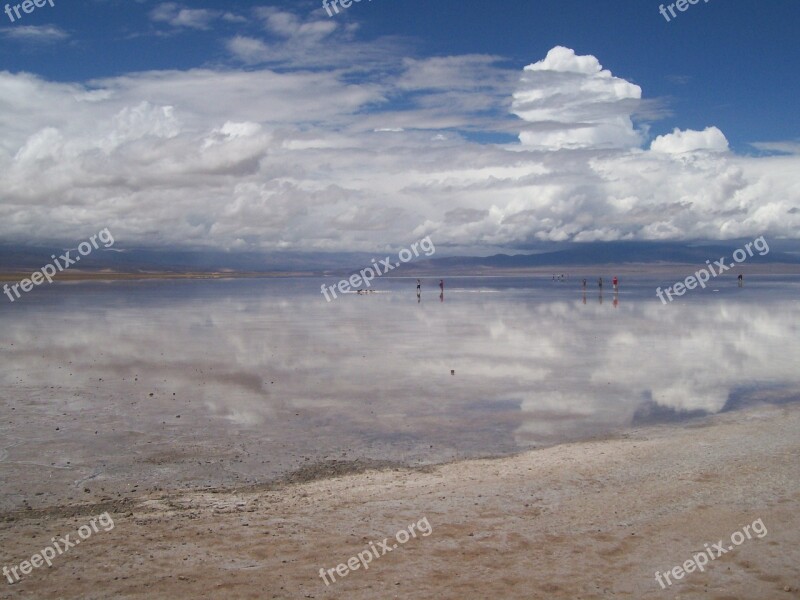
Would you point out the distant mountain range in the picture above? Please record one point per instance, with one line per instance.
(610, 253)
(137, 260)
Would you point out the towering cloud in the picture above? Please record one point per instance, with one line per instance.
(570, 101)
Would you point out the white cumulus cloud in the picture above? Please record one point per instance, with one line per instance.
(710, 139)
(570, 101)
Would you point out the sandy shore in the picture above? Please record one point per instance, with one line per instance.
(584, 520)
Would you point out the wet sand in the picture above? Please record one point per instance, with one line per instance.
(584, 520)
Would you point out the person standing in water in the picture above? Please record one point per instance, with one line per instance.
(600, 283)
(441, 285)
(615, 282)
(741, 280)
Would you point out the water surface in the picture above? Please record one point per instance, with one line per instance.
(107, 386)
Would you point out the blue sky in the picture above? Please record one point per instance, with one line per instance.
(273, 126)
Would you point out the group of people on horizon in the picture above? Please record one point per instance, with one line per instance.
(614, 282)
(561, 277)
(419, 286)
(441, 290)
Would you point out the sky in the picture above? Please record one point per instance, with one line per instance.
(506, 126)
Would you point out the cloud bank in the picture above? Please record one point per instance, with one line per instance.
(296, 153)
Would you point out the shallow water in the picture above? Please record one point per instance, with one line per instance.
(107, 386)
